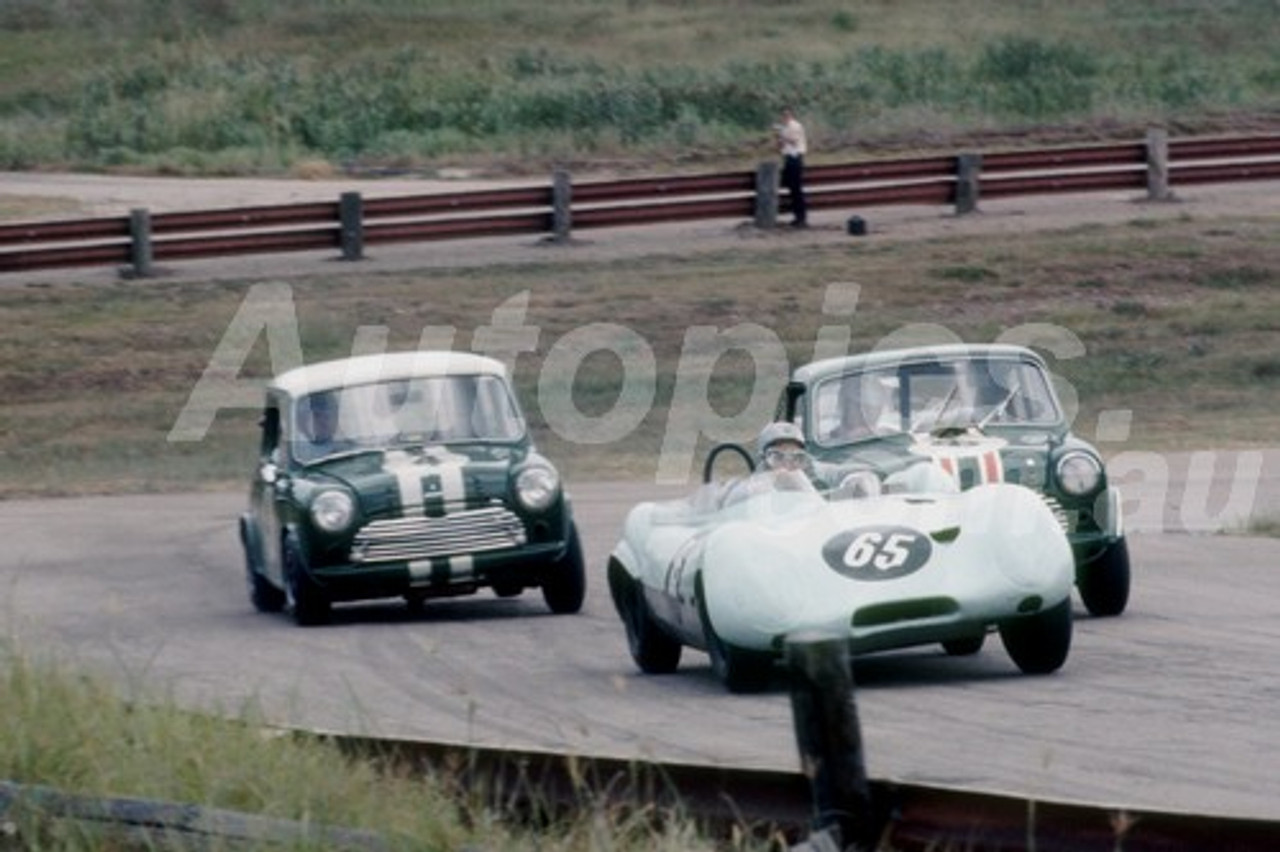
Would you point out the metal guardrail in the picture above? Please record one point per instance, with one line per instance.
(352, 222)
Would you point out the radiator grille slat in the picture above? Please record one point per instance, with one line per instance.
(1067, 520)
(470, 531)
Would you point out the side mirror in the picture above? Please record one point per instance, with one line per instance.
(268, 473)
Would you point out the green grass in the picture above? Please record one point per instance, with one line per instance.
(255, 87)
(78, 734)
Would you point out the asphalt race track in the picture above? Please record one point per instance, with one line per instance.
(1172, 706)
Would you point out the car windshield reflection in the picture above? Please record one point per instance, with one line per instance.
(430, 410)
(914, 397)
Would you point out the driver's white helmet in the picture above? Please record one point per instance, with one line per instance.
(777, 432)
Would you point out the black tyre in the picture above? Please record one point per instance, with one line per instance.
(739, 669)
(652, 648)
(305, 599)
(1038, 644)
(264, 596)
(966, 647)
(565, 585)
(1104, 582)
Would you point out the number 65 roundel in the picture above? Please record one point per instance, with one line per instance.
(878, 553)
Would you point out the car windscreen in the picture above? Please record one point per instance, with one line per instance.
(434, 409)
(921, 396)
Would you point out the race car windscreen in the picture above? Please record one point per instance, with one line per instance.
(929, 395)
(421, 410)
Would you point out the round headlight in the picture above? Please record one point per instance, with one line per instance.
(537, 487)
(332, 511)
(1079, 473)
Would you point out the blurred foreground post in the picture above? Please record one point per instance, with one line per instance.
(830, 742)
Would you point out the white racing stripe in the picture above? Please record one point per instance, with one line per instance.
(410, 471)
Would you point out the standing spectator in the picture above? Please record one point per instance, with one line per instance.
(792, 145)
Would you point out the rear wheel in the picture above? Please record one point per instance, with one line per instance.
(565, 585)
(1039, 643)
(1104, 583)
(305, 599)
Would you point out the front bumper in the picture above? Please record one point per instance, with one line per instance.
(438, 576)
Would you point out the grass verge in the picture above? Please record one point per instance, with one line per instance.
(77, 734)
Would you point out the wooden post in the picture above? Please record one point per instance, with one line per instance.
(351, 214)
(140, 251)
(830, 740)
(561, 205)
(767, 195)
(1158, 165)
(968, 175)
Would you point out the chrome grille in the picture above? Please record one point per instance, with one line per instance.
(470, 531)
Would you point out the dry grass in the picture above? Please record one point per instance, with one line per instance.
(1177, 321)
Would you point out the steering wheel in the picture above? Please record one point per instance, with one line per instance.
(708, 466)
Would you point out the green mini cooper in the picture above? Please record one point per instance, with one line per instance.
(405, 475)
(983, 413)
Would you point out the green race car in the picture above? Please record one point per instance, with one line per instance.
(403, 475)
(983, 413)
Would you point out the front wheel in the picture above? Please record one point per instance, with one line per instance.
(1038, 644)
(1104, 582)
(264, 596)
(741, 670)
(305, 599)
(565, 585)
(651, 647)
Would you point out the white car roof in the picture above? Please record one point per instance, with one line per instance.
(389, 366)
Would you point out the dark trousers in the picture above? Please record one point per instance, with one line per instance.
(793, 180)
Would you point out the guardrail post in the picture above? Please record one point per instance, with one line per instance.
(561, 205)
(767, 195)
(351, 214)
(1158, 165)
(140, 251)
(830, 742)
(968, 177)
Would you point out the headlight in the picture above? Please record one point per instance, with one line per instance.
(1079, 473)
(537, 487)
(332, 511)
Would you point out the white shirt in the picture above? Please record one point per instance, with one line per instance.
(791, 139)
